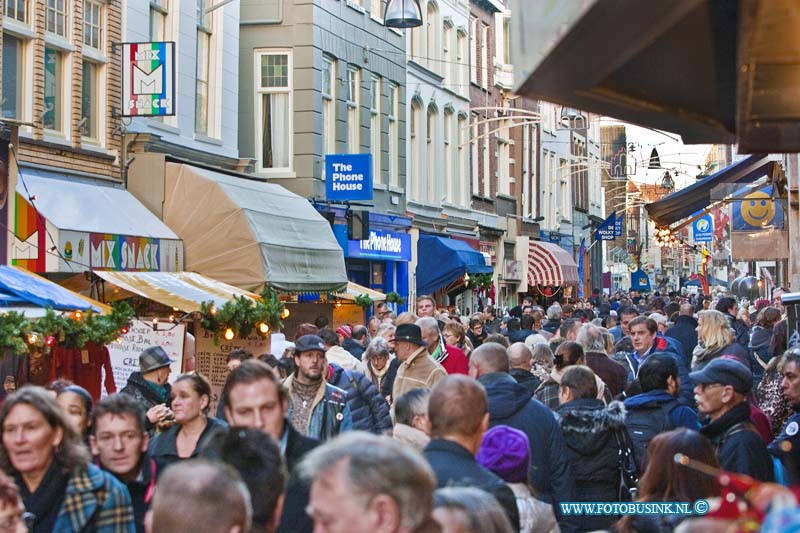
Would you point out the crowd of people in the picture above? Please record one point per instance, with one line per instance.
(430, 421)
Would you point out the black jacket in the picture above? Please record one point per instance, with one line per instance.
(163, 447)
(685, 331)
(739, 447)
(141, 490)
(519, 335)
(551, 326)
(294, 518)
(368, 408)
(512, 405)
(146, 395)
(740, 332)
(589, 429)
(354, 347)
(526, 379)
(454, 465)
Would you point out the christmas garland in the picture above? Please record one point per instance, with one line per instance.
(394, 298)
(363, 300)
(73, 330)
(481, 281)
(241, 316)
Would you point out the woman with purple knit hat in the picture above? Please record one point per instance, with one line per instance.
(507, 452)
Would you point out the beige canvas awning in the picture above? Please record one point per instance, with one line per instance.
(181, 290)
(248, 233)
(354, 290)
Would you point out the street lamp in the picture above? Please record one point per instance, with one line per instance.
(402, 14)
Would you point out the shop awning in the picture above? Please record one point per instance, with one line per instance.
(20, 288)
(697, 196)
(182, 290)
(549, 264)
(247, 232)
(94, 224)
(354, 290)
(442, 261)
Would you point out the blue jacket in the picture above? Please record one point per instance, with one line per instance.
(662, 345)
(512, 405)
(368, 408)
(95, 501)
(680, 416)
(330, 414)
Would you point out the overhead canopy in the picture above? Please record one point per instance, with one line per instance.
(714, 71)
(699, 195)
(181, 290)
(354, 290)
(442, 261)
(18, 287)
(247, 233)
(549, 264)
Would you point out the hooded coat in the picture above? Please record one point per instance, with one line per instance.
(589, 428)
(512, 405)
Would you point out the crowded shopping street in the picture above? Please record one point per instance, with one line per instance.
(399, 266)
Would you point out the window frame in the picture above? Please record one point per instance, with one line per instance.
(394, 135)
(260, 92)
(101, 23)
(63, 14)
(204, 33)
(95, 102)
(159, 8)
(60, 94)
(329, 109)
(18, 78)
(353, 103)
(375, 129)
(14, 5)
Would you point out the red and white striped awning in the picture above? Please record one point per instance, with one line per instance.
(549, 264)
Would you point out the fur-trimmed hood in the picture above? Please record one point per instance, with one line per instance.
(587, 424)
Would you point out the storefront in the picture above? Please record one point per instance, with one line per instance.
(448, 267)
(550, 272)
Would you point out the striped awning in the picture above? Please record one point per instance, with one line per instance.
(549, 264)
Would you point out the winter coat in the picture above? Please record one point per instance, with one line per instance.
(526, 379)
(760, 340)
(772, 401)
(551, 326)
(535, 516)
(330, 414)
(740, 332)
(368, 408)
(146, 395)
(95, 501)
(519, 335)
(455, 362)
(354, 347)
(410, 436)
(589, 429)
(685, 332)
(613, 374)
(386, 382)
(512, 405)
(294, 518)
(660, 344)
(419, 371)
(455, 466)
(738, 445)
(680, 416)
(339, 356)
(790, 434)
(164, 448)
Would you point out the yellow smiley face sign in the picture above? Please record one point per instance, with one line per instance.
(758, 209)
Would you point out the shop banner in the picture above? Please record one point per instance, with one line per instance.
(757, 211)
(348, 177)
(382, 245)
(703, 229)
(148, 79)
(211, 358)
(141, 336)
(607, 229)
(121, 253)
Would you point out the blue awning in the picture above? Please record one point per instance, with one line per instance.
(442, 261)
(697, 196)
(18, 285)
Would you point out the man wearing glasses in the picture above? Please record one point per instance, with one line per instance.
(721, 390)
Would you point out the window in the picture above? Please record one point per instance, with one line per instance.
(274, 103)
(528, 170)
(53, 87)
(449, 164)
(159, 9)
(503, 160)
(563, 187)
(462, 190)
(447, 55)
(92, 25)
(484, 66)
(394, 135)
(17, 10)
(462, 65)
(507, 39)
(203, 69)
(416, 151)
(432, 137)
(376, 9)
(353, 98)
(433, 48)
(90, 108)
(487, 185)
(56, 17)
(328, 106)
(473, 143)
(473, 50)
(12, 77)
(375, 127)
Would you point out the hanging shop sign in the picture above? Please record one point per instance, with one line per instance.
(348, 177)
(382, 245)
(607, 230)
(703, 229)
(148, 79)
(122, 253)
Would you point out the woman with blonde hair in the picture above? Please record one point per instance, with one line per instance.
(714, 338)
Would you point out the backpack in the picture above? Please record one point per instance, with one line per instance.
(644, 423)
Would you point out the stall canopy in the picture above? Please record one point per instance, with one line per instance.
(549, 264)
(355, 290)
(20, 289)
(95, 225)
(247, 232)
(442, 261)
(699, 195)
(181, 290)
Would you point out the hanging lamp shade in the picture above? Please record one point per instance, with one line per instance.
(402, 14)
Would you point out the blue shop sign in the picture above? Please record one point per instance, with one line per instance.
(382, 245)
(348, 177)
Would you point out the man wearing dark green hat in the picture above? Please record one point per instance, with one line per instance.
(151, 389)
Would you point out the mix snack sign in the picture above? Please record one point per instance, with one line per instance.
(148, 79)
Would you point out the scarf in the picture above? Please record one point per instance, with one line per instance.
(378, 374)
(702, 354)
(302, 397)
(45, 502)
(440, 353)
